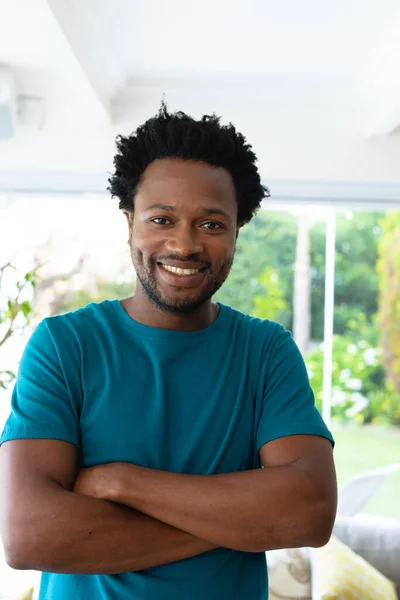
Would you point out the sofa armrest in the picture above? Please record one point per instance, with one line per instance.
(376, 539)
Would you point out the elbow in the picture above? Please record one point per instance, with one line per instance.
(16, 562)
(20, 558)
(321, 522)
(319, 513)
(20, 552)
(14, 555)
(320, 538)
(311, 526)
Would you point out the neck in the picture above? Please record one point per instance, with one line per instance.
(142, 310)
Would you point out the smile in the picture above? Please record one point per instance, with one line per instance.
(179, 271)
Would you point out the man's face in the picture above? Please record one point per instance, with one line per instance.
(183, 232)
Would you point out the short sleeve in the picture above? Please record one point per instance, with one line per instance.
(288, 404)
(41, 404)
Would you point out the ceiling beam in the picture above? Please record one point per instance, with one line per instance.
(371, 195)
(78, 33)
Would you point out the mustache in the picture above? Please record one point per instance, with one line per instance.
(194, 258)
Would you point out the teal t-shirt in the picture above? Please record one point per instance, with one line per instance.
(199, 402)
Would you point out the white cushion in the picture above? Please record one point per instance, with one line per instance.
(289, 574)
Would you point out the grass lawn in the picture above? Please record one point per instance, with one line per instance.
(361, 448)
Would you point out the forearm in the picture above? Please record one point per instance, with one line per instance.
(252, 510)
(72, 533)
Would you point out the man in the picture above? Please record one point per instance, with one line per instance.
(131, 458)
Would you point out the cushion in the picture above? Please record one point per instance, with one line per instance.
(27, 595)
(374, 538)
(289, 574)
(341, 574)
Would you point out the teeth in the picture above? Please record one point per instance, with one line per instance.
(179, 271)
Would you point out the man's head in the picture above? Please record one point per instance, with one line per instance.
(186, 187)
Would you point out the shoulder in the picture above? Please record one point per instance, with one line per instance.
(264, 341)
(265, 330)
(94, 314)
(73, 330)
(57, 343)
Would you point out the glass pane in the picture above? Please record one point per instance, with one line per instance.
(366, 365)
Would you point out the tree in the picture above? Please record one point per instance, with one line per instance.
(268, 241)
(15, 312)
(356, 280)
(272, 303)
(388, 268)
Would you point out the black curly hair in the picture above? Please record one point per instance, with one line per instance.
(177, 135)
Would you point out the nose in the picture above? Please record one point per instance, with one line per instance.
(184, 240)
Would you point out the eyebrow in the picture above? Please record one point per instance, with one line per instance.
(160, 207)
(203, 211)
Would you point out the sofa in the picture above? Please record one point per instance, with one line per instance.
(294, 574)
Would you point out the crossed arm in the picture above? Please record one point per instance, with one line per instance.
(121, 517)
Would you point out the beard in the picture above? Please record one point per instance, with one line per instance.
(146, 274)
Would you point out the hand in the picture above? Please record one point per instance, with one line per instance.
(100, 481)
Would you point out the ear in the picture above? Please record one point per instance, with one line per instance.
(129, 218)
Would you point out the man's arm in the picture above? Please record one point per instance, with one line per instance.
(47, 527)
(290, 503)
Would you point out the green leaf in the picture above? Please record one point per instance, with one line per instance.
(26, 308)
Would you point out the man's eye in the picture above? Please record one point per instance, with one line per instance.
(159, 220)
(212, 225)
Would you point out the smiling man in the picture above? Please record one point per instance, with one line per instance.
(131, 460)
(182, 236)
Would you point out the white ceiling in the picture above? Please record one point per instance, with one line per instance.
(314, 85)
(257, 37)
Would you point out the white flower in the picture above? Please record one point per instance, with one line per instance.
(360, 402)
(357, 397)
(351, 348)
(344, 374)
(354, 384)
(338, 397)
(370, 356)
